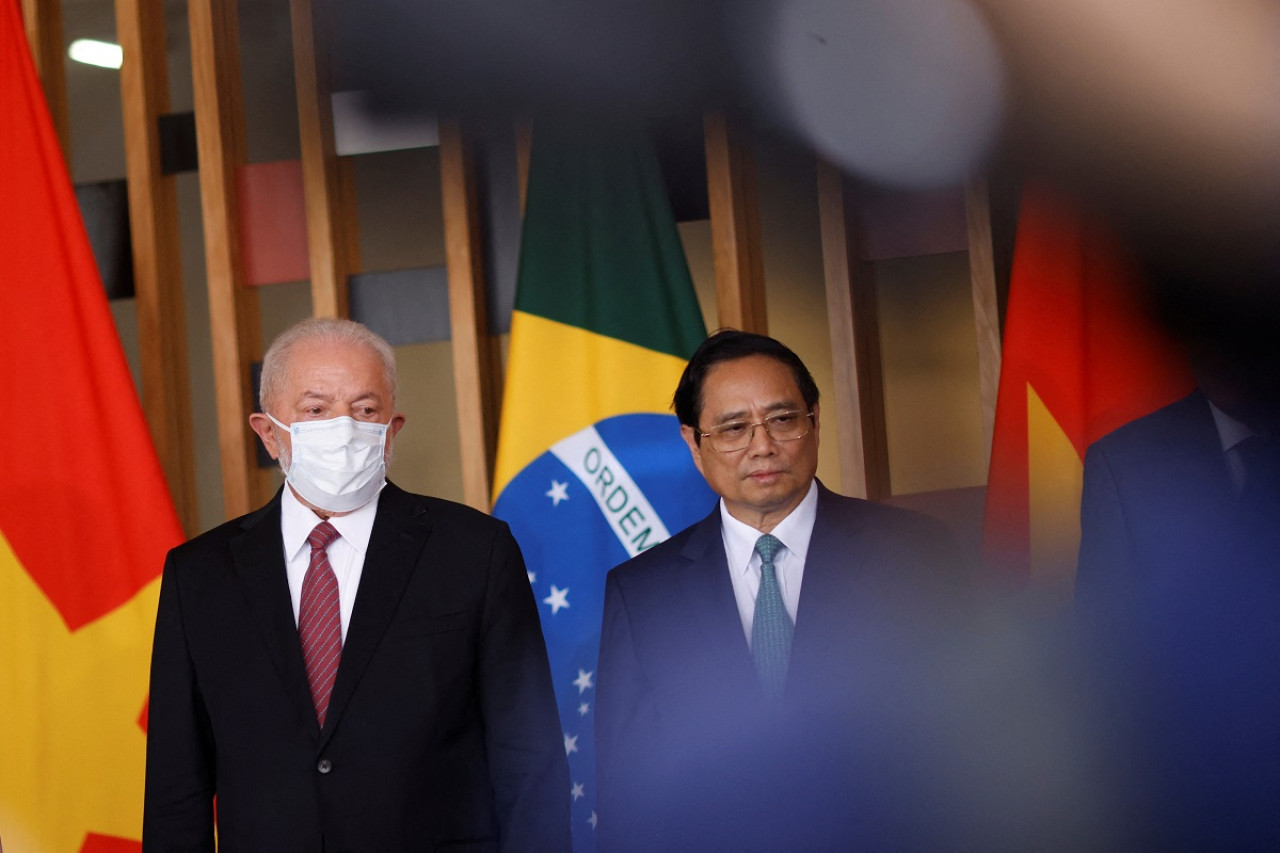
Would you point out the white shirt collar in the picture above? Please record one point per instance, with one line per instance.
(1230, 431)
(297, 521)
(794, 532)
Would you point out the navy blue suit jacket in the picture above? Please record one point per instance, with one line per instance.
(691, 755)
(442, 732)
(1179, 586)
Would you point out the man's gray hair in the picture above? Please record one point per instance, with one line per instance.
(275, 364)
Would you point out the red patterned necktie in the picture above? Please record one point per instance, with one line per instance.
(320, 620)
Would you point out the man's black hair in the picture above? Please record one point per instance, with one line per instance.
(731, 345)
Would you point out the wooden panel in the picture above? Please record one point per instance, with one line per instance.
(349, 227)
(855, 342)
(986, 312)
(474, 349)
(233, 311)
(735, 227)
(322, 184)
(157, 261)
(43, 21)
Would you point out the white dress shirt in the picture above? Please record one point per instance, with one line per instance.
(793, 532)
(346, 553)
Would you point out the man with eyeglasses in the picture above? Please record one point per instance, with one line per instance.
(742, 700)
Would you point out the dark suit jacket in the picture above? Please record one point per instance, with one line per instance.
(442, 733)
(1158, 504)
(690, 753)
(1179, 586)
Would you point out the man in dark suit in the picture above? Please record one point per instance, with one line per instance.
(351, 667)
(1179, 585)
(744, 697)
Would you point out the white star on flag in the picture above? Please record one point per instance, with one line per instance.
(593, 819)
(583, 709)
(583, 681)
(558, 492)
(532, 576)
(557, 599)
(570, 743)
(578, 791)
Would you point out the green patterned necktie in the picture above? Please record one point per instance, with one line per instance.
(771, 628)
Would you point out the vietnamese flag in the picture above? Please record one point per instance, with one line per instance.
(85, 517)
(1081, 357)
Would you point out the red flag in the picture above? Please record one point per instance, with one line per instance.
(1081, 357)
(85, 516)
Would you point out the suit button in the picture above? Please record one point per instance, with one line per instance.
(325, 765)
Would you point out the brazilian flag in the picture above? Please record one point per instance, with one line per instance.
(591, 467)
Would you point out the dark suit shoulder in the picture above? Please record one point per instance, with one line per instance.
(878, 521)
(216, 540)
(862, 510)
(671, 554)
(1188, 418)
(448, 512)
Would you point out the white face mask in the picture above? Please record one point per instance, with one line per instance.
(337, 464)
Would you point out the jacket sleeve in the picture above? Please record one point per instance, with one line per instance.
(523, 739)
(178, 804)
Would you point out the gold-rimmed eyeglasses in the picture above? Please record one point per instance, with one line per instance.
(737, 435)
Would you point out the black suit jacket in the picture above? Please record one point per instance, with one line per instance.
(442, 732)
(690, 753)
(1179, 586)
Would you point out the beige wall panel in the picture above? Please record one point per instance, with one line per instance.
(929, 348)
(398, 205)
(426, 450)
(795, 287)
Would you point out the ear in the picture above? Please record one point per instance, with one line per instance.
(815, 421)
(265, 429)
(397, 423)
(691, 438)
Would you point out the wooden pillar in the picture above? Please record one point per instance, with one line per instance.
(475, 355)
(321, 172)
(233, 311)
(735, 226)
(986, 312)
(157, 262)
(855, 341)
(43, 21)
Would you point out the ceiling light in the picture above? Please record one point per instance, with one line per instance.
(93, 52)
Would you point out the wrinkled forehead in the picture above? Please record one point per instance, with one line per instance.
(336, 361)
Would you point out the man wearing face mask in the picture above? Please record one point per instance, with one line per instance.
(351, 667)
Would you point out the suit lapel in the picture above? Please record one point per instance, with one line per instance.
(831, 568)
(1203, 450)
(400, 531)
(709, 606)
(258, 561)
